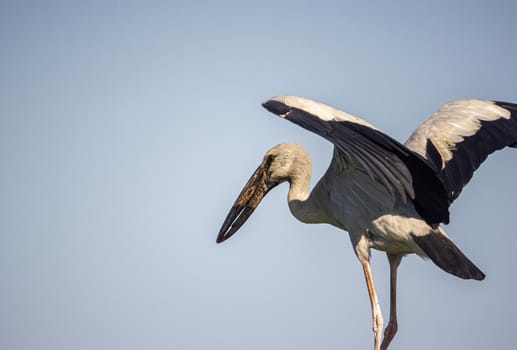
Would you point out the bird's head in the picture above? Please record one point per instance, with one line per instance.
(284, 162)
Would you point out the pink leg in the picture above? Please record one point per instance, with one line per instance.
(376, 309)
(391, 329)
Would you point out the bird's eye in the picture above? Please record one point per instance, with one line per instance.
(269, 160)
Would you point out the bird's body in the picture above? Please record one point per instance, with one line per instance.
(388, 196)
(351, 201)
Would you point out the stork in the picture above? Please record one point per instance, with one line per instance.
(388, 196)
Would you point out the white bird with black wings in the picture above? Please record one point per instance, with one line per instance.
(388, 196)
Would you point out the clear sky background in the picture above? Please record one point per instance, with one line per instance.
(127, 129)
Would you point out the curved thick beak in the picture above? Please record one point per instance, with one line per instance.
(249, 198)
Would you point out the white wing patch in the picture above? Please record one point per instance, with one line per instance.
(320, 110)
(452, 124)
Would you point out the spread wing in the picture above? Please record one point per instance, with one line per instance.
(402, 172)
(461, 135)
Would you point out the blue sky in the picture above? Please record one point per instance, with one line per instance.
(127, 129)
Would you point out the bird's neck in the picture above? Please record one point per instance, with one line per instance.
(301, 204)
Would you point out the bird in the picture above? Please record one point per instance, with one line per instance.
(388, 196)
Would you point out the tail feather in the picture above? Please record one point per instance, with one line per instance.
(446, 255)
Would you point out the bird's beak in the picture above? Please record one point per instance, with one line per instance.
(249, 198)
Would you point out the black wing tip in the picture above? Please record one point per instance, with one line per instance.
(509, 106)
(512, 108)
(504, 104)
(276, 107)
(446, 255)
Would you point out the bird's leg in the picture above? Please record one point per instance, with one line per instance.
(376, 308)
(391, 329)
